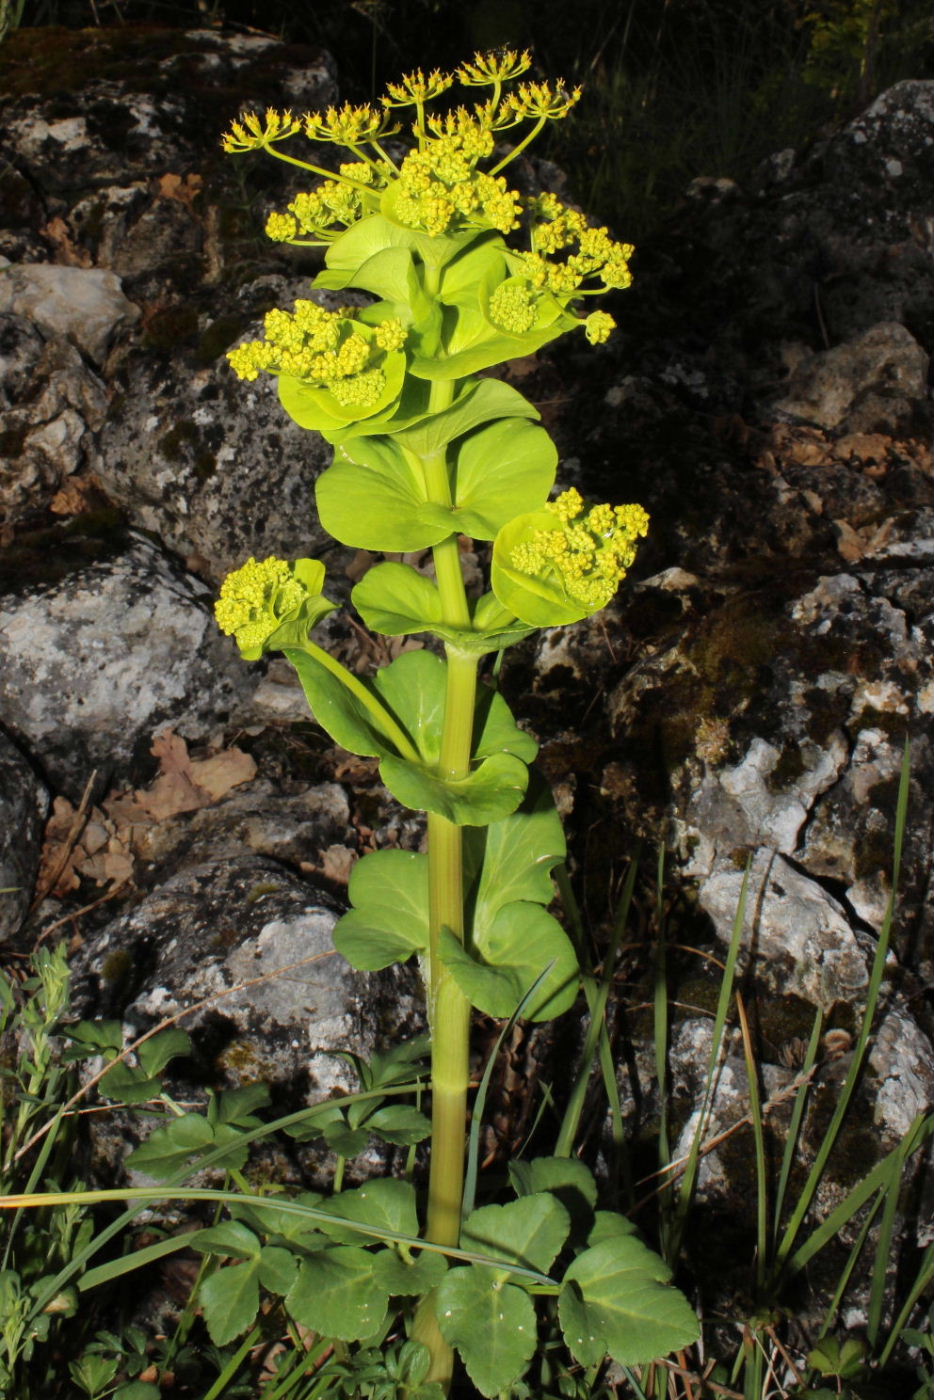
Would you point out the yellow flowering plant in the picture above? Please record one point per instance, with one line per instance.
(464, 273)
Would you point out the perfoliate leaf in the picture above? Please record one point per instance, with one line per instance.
(507, 955)
(491, 791)
(389, 920)
(374, 496)
(478, 402)
(337, 1294)
(491, 1323)
(518, 853)
(501, 470)
(396, 599)
(614, 1300)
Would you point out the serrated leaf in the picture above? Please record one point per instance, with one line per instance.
(337, 1294)
(278, 1268)
(569, 1180)
(230, 1239)
(229, 1299)
(126, 1084)
(385, 1202)
(137, 1390)
(615, 1301)
(168, 1149)
(609, 1225)
(408, 1278)
(236, 1106)
(168, 1045)
(280, 1224)
(491, 1323)
(389, 921)
(401, 1124)
(529, 1231)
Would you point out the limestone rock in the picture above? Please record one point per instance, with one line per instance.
(871, 384)
(84, 305)
(98, 662)
(24, 802)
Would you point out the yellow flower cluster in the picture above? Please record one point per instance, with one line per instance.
(415, 89)
(253, 133)
(513, 306)
(591, 551)
(322, 347)
(324, 212)
(348, 125)
(556, 228)
(489, 69)
(440, 186)
(254, 599)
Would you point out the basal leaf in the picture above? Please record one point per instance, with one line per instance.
(406, 1278)
(337, 1294)
(155, 1054)
(401, 1124)
(277, 1268)
(389, 920)
(529, 1231)
(491, 1323)
(230, 1239)
(384, 1202)
(615, 1300)
(168, 1149)
(568, 1179)
(230, 1300)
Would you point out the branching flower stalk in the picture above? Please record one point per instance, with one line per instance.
(465, 273)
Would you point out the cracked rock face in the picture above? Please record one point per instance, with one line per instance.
(97, 663)
(24, 806)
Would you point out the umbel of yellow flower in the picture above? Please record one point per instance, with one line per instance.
(327, 349)
(565, 561)
(448, 186)
(271, 604)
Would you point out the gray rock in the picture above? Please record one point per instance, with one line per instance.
(47, 429)
(214, 466)
(84, 305)
(96, 664)
(871, 384)
(24, 805)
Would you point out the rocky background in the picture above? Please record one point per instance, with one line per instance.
(177, 816)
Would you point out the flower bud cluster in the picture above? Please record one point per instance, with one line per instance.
(589, 552)
(258, 598)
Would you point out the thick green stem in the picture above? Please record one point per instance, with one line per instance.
(448, 1008)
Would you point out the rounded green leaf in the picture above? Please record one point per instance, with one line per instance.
(313, 406)
(374, 497)
(491, 1323)
(529, 1231)
(480, 401)
(538, 601)
(505, 958)
(501, 470)
(406, 1278)
(491, 791)
(396, 599)
(389, 920)
(615, 1301)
